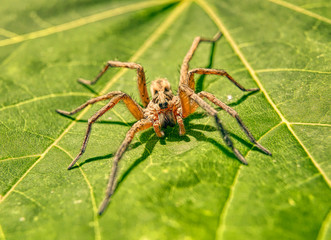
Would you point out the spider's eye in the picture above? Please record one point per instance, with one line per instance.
(166, 89)
(156, 92)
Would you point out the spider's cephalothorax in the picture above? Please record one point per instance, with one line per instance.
(165, 109)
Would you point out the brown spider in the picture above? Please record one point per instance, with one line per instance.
(165, 109)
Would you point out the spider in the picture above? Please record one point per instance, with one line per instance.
(165, 109)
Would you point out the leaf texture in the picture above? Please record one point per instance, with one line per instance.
(189, 187)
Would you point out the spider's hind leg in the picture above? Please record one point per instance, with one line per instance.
(234, 114)
(190, 94)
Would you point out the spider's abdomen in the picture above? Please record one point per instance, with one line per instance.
(167, 119)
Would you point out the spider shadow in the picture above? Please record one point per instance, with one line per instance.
(199, 82)
(194, 130)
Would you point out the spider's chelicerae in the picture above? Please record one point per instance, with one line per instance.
(165, 109)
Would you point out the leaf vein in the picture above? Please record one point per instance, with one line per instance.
(149, 41)
(251, 71)
(301, 10)
(324, 227)
(6, 33)
(29, 198)
(83, 21)
(14, 158)
(52, 95)
(221, 227)
(89, 185)
(2, 234)
(290, 70)
(311, 124)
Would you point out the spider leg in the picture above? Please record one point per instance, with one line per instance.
(185, 90)
(233, 113)
(140, 73)
(184, 71)
(185, 65)
(138, 126)
(89, 102)
(133, 107)
(215, 72)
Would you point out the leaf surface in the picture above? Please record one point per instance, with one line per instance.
(188, 187)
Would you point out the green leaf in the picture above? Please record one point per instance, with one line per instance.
(188, 187)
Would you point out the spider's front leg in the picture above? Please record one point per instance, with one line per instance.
(138, 126)
(140, 77)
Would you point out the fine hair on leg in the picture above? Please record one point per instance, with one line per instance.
(219, 72)
(234, 114)
(184, 89)
(138, 126)
(115, 97)
(185, 65)
(140, 77)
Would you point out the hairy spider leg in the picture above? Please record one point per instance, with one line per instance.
(140, 77)
(184, 89)
(184, 78)
(115, 97)
(138, 126)
(185, 65)
(219, 103)
(233, 113)
(219, 72)
(190, 100)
